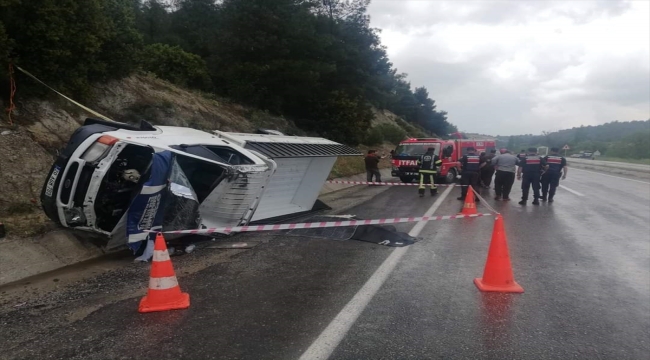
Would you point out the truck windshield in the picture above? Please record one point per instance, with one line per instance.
(416, 149)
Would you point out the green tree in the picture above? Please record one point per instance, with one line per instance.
(69, 44)
(175, 65)
(195, 23)
(154, 22)
(635, 146)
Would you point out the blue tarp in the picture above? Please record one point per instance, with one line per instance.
(146, 211)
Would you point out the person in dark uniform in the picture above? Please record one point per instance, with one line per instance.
(551, 178)
(532, 166)
(372, 166)
(470, 164)
(487, 172)
(521, 155)
(428, 163)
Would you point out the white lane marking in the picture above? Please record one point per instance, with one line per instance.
(330, 338)
(571, 191)
(616, 177)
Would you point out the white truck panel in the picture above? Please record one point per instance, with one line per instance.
(294, 187)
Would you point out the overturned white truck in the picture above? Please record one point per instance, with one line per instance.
(123, 181)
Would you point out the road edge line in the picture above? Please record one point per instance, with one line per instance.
(572, 191)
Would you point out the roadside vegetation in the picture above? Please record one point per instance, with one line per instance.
(625, 141)
(319, 63)
(351, 165)
(630, 161)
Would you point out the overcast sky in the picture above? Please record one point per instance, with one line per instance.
(519, 67)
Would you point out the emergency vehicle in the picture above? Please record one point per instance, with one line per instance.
(408, 152)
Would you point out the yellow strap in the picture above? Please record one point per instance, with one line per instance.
(65, 97)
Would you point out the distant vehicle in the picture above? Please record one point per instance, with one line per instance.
(583, 155)
(121, 180)
(408, 152)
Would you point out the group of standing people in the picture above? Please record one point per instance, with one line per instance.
(539, 172)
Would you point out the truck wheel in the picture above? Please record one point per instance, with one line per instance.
(451, 176)
(406, 179)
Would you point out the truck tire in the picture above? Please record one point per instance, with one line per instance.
(406, 179)
(451, 176)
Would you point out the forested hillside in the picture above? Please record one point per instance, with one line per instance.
(317, 62)
(628, 140)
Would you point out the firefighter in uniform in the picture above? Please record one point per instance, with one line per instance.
(470, 164)
(428, 163)
(532, 166)
(551, 178)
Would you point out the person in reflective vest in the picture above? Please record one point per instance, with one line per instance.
(531, 166)
(551, 178)
(428, 163)
(470, 164)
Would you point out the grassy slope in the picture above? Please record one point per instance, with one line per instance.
(352, 165)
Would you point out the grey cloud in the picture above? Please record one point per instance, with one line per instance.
(625, 83)
(474, 101)
(396, 14)
(477, 100)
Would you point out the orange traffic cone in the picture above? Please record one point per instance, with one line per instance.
(497, 275)
(469, 208)
(164, 293)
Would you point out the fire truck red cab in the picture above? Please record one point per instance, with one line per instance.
(408, 152)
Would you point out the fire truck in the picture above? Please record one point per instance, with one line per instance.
(408, 152)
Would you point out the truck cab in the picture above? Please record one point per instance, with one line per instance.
(408, 152)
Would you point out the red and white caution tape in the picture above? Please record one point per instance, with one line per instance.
(324, 224)
(383, 183)
(484, 202)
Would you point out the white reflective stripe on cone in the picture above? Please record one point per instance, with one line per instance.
(160, 255)
(163, 283)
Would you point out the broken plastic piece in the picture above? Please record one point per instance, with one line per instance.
(147, 254)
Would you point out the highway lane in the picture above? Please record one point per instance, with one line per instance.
(584, 262)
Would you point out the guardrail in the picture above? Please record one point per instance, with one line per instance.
(609, 164)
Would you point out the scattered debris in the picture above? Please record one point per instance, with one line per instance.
(190, 248)
(379, 234)
(6, 132)
(234, 245)
(342, 216)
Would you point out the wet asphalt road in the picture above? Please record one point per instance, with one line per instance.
(584, 263)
